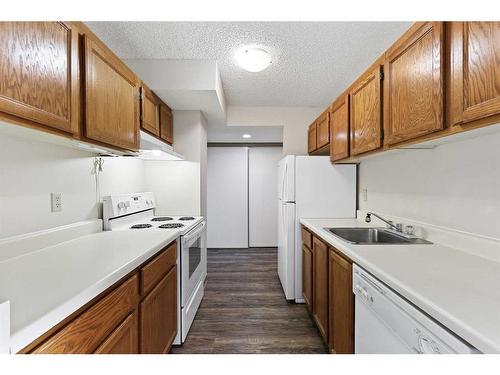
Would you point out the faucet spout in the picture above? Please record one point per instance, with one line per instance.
(369, 219)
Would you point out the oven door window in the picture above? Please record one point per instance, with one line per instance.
(194, 256)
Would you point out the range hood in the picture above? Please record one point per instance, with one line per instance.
(151, 148)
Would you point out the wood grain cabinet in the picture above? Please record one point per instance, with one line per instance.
(413, 83)
(474, 92)
(124, 339)
(366, 112)
(339, 129)
(86, 332)
(136, 315)
(323, 130)
(150, 111)
(307, 268)
(111, 96)
(341, 304)
(159, 316)
(311, 138)
(320, 286)
(39, 74)
(166, 124)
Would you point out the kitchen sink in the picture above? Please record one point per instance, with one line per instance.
(375, 236)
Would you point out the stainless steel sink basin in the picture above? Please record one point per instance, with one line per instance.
(374, 236)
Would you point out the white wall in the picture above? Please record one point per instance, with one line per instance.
(30, 170)
(295, 122)
(455, 185)
(176, 185)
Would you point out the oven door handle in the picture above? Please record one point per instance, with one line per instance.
(196, 233)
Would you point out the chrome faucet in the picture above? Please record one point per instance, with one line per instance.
(397, 227)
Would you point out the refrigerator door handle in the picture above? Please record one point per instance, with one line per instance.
(285, 172)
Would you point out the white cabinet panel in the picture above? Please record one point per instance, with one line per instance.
(262, 201)
(227, 197)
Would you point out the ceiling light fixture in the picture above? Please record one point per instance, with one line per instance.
(253, 59)
(246, 136)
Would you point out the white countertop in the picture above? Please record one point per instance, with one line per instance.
(458, 289)
(47, 285)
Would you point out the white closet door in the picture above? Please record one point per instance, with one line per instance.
(262, 195)
(227, 197)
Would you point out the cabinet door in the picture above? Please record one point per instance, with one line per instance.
(86, 332)
(474, 71)
(365, 113)
(341, 302)
(150, 114)
(311, 138)
(323, 130)
(111, 98)
(159, 316)
(124, 339)
(307, 274)
(166, 124)
(339, 128)
(320, 286)
(413, 84)
(39, 73)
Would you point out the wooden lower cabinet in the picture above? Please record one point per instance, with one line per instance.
(124, 339)
(117, 321)
(341, 304)
(159, 316)
(327, 282)
(307, 274)
(320, 286)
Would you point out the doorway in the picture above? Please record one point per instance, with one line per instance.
(242, 196)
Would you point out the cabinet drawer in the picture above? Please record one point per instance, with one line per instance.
(85, 333)
(306, 238)
(155, 269)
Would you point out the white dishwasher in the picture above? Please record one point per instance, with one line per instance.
(386, 323)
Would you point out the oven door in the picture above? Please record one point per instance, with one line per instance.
(193, 260)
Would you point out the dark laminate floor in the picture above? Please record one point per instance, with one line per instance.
(244, 309)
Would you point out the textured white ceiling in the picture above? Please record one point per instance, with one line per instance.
(312, 61)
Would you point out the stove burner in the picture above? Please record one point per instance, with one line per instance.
(186, 218)
(141, 226)
(162, 218)
(171, 226)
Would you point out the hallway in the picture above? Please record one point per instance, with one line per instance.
(244, 310)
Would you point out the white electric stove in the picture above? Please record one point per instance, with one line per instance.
(137, 212)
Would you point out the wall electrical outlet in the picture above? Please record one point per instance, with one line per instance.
(365, 195)
(56, 199)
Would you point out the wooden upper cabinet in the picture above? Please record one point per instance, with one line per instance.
(339, 129)
(111, 98)
(39, 73)
(311, 138)
(320, 286)
(474, 71)
(150, 111)
(323, 130)
(414, 83)
(166, 124)
(341, 305)
(365, 112)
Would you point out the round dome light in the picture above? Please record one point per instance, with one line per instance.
(253, 59)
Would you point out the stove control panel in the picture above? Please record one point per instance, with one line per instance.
(125, 204)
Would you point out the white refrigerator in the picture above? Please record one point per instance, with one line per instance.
(308, 187)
